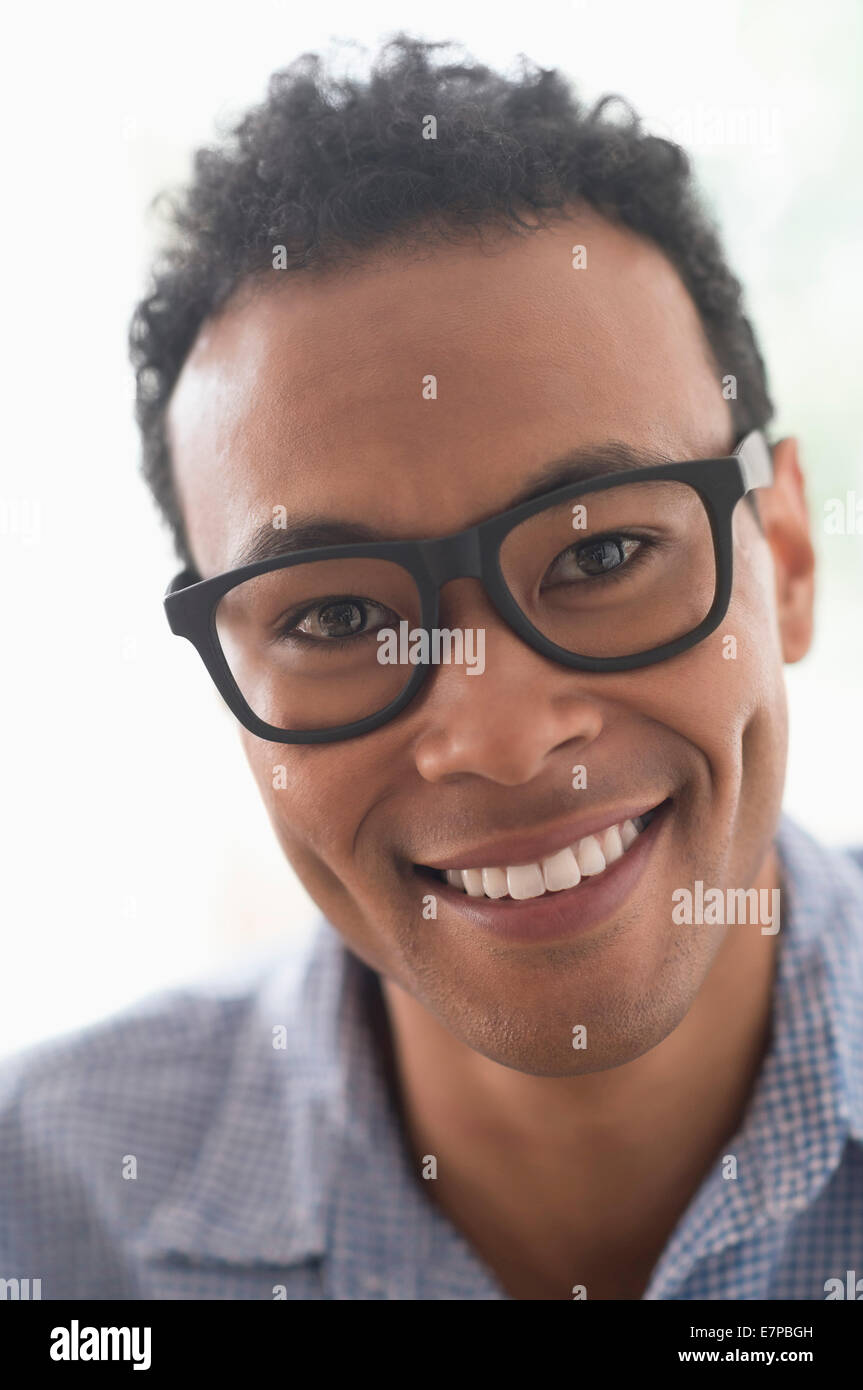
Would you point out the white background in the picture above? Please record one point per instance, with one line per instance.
(135, 851)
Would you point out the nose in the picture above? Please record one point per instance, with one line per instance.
(506, 723)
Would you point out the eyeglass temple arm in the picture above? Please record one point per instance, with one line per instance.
(183, 580)
(756, 460)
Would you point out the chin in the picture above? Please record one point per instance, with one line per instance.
(539, 1039)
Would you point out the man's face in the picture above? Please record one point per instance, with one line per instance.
(307, 393)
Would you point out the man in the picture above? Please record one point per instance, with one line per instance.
(557, 1038)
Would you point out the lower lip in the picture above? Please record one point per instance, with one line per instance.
(557, 916)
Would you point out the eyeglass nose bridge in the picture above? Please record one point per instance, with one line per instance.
(454, 557)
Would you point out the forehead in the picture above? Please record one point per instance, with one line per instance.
(416, 391)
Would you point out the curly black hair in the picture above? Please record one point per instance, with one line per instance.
(329, 168)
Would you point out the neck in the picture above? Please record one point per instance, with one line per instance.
(634, 1142)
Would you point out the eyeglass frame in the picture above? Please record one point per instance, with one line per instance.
(474, 553)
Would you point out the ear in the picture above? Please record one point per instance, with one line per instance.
(785, 519)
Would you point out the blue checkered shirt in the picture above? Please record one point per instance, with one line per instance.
(270, 1162)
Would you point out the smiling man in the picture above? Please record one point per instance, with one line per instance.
(445, 353)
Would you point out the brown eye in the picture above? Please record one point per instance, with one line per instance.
(339, 619)
(598, 557)
(592, 560)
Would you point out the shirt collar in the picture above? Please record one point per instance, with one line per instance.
(807, 1101)
(263, 1199)
(820, 987)
(306, 1156)
(321, 1111)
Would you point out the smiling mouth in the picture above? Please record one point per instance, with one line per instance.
(586, 858)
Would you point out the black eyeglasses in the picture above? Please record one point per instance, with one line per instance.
(610, 574)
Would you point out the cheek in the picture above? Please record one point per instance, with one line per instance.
(315, 798)
(300, 789)
(751, 627)
(736, 679)
(726, 697)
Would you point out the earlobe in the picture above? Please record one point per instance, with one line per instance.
(785, 518)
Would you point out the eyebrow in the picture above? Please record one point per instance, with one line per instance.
(313, 532)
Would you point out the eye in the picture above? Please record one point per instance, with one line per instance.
(340, 618)
(592, 559)
(600, 556)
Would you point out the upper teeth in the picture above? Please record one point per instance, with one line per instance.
(565, 869)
